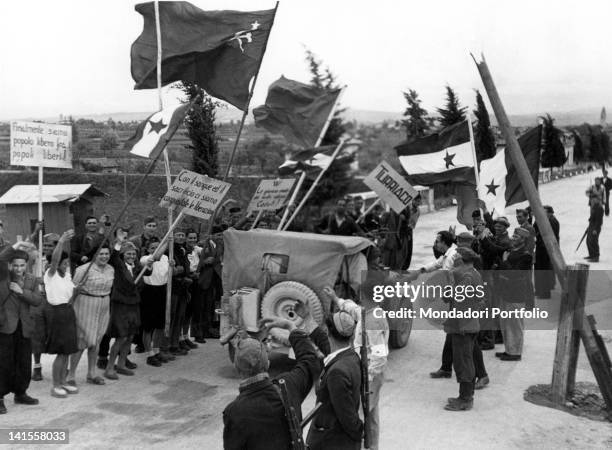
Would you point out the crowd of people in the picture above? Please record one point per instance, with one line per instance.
(93, 292)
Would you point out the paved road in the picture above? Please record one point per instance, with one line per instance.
(180, 404)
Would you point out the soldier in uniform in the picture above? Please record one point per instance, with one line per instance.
(595, 223)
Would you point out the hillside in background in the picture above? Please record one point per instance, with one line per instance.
(361, 116)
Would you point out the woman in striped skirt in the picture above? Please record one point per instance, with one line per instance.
(92, 309)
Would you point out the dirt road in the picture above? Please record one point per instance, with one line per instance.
(180, 404)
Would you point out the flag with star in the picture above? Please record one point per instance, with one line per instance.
(499, 183)
(149, 139)
(441, 157)
(220, 51)
(296, 110)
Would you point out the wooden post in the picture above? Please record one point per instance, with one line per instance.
(582, 273)
(602, 372)
(568, 338)
(513, 148)
(564, 346)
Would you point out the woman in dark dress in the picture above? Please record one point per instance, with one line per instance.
(125, 313)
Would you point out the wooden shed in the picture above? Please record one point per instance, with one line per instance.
(65, 206)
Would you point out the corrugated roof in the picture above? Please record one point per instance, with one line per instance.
(52, 193)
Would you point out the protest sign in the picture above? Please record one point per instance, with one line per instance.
(270, 195)
(195, 194)
(390, 186)
(41, 145)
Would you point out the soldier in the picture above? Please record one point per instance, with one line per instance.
(607, 184)
(595, 223)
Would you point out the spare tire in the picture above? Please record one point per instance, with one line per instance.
(400, 329)
(280, 300)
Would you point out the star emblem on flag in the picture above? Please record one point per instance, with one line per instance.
(157, 126)
(492, 187)
(448, 159)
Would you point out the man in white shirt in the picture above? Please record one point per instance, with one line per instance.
(445, 244)
(377, 332)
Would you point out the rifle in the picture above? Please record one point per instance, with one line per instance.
(311, 415)
(295, 427)
(583, 236)
(365, 381)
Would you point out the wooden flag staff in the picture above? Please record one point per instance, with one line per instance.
(167, 169)
(523, 173)
(318, 143)
(573, 326)
(245, 113)
(314, 185)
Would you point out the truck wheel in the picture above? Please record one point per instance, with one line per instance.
(280, 300)
(400, 329)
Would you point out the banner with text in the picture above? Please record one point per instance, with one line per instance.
(41, 144)
(271, 195)
(390, 186)
(197, 195)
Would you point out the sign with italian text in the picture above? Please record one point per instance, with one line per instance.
(41, 144)
(196, 195)
(271, 195)
(390, 186)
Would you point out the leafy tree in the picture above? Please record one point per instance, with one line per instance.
(553, 151)
(579, 155)
(75, 130)
(109, 140)
(200, 122)
(267, 153)
(323, 78)
(416, 123)
(483, 135)
(452, 112)
(336, 180)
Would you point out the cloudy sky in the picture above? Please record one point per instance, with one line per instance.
(72, 57)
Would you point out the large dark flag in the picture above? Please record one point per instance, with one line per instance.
(220, 51)
(441, 157)
(307, 160)
(296, 110)
(499, 182)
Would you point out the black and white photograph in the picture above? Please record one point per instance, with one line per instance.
(305, 225)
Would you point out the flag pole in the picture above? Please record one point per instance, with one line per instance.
(167, 169)
(523, 173)
(245, 113)
(367, 211)
(317, 144)
(314, 185)
(40, 219)
(162, 242)
(473, 145)
(257, 219)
